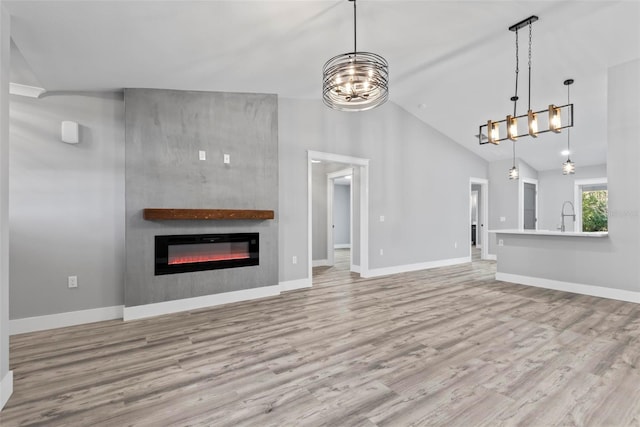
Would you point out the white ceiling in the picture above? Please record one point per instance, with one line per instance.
(451, 62)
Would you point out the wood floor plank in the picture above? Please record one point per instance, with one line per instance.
(447, 346)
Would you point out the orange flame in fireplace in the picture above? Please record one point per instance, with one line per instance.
(191, 259)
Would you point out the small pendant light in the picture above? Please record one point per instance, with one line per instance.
(513, 172)
(568, 167)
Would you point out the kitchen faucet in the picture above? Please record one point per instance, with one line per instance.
(563, 215)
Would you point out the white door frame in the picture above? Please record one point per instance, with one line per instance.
(330, 190)
(577, 196)
(521, 201)
(483, 215)
(363, 164)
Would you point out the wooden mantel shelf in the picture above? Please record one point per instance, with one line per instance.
(205, 214)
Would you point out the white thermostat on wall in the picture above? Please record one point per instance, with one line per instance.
(70, 132)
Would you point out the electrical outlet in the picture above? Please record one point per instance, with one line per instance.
(202, 155)
(381, 218)
(500, 242)
(294, 260)
(455, 245)
(227, 159)
(72, 282)
(503, 219)
(381, 251)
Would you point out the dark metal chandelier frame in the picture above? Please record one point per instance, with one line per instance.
(355, 81)
(489, 133)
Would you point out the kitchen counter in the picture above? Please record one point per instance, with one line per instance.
(566, 261)
(555, 233)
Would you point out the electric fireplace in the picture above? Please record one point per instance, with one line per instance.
(196, 252)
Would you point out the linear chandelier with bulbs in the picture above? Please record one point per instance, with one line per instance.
(489, 133)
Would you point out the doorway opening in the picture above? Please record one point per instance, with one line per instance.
(339, 216)
(478, 217)
(528, 204)
(338, 229)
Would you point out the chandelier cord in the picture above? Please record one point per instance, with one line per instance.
(355, 33)
(568, 129)
(515, 97)
(530, 41)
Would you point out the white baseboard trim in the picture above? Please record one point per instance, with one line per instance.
(375, 272)
(576, 288)
(342, 246)
(355, 268)
(478, 246)
(492, 257)
(6, 389)
(320, 263)
(61, 320)
(292, 285)
(186, 304)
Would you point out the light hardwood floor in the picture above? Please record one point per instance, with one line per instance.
(447, 346)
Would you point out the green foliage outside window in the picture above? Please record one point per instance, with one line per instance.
(594, 210)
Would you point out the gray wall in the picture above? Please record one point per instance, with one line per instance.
(504, 196)
(424, 199)
(623, 156)
(503, 200)
(319, 211)
(67, 204)
(165, 130)
(4, 192)
(341, 214)
(526, 171)
(554, 188)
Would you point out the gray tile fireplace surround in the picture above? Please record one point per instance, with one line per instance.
(165, 131)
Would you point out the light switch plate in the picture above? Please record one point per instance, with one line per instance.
(72, 282)
(202, 155)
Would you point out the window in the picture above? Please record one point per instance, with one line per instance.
(592, 205)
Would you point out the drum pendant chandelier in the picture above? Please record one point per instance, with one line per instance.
(355, 81)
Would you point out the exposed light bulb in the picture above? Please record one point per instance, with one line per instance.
(555, 120)
(513, 173)
(533, 123)
(565, 152)
(493, 131)
(512, 128)
(568, 167)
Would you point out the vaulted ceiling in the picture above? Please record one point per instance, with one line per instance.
(451, 62)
